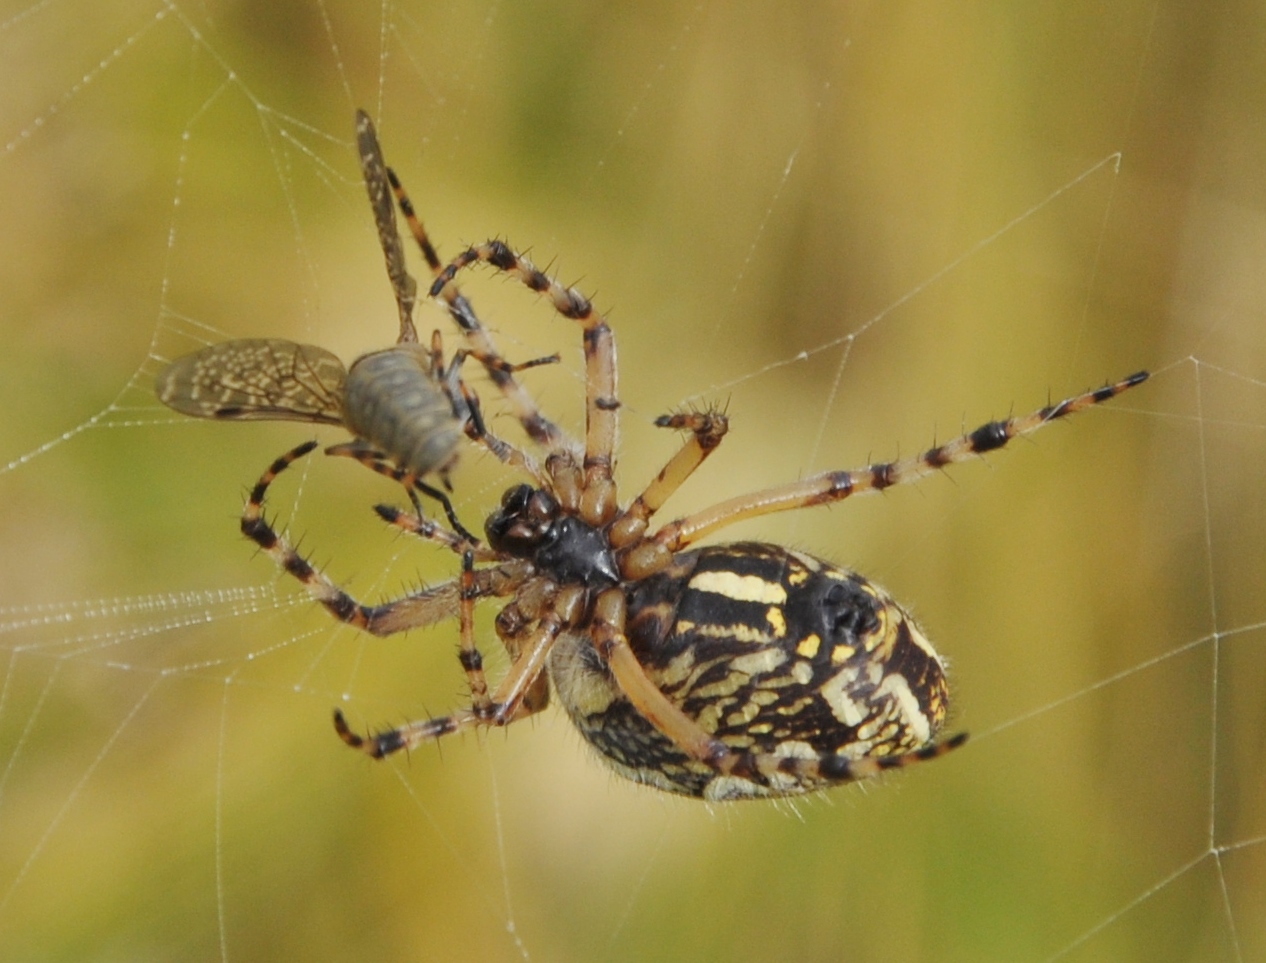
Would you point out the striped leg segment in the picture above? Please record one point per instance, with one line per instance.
(834, 486)
(468, 409)
(421, 608)
(432, 531)
(601, 401)
(377, 461)
(415, 610)
(469, 655)
(539, 428)
(707, 429)
(826, 770)
(516, 697)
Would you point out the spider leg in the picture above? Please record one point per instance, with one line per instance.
(513, 699)
(706, 428)
(381, 182)
(832, 770)
(515, 624)
(503, 451)
(424, 527)
(652, 704)
(439, 496)
(469, 656)
(834, 486)
(539, 428)
(501, 364)
(466, 404)
(377, 461)
(598, 502)
(411, 611)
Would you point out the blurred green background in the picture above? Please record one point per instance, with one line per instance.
(860, 225)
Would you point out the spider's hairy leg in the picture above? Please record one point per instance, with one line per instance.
(416, 228)
(834, 486)
(384, 743)
(468, 654)
(423, 527)
(602, 404)
(539, 428)
(501, 449)
(515, 624)
(513, 699)
(475, 427)
(376, 461)
(833, 770)
(466, 405)
(706, 428)
(412, 611)
(612, 645)
(408, 737)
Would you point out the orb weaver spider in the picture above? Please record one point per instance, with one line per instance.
(726, 671)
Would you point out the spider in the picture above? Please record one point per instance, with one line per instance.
(720, 672)
(404, 407)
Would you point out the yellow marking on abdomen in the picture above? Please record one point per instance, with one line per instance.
(896, 687)
(766, 660)
(777, 623)
(809, 645)
(741, 588)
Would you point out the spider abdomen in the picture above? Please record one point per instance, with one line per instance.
(392, 401)
(772, 652)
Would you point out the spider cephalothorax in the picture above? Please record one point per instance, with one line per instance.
(530, 524)
(716, 671)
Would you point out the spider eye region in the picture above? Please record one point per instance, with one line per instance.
(523, 522)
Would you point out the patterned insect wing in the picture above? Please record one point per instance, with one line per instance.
(256, 379)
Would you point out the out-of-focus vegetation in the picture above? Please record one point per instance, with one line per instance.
(922, 199)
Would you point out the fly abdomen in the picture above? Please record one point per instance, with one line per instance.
(393, 402)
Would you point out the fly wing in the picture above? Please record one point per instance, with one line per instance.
(256, 379)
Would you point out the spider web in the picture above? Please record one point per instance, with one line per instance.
(858, 226)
